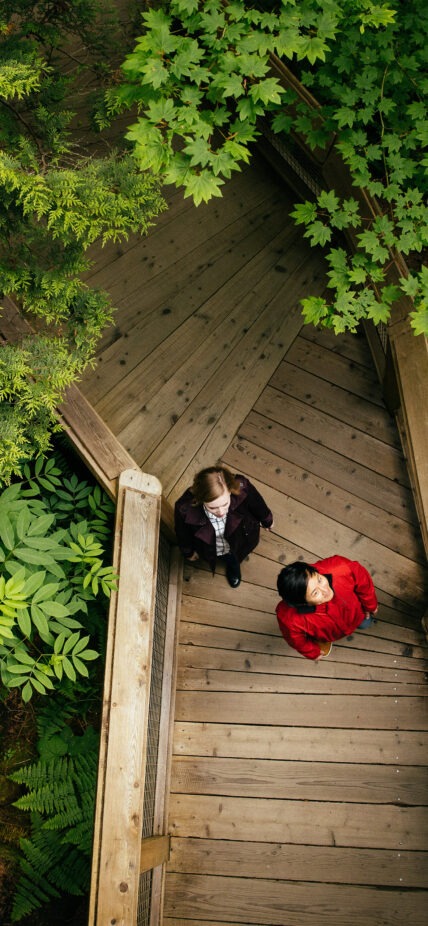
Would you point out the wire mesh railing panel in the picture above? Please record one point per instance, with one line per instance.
(294, 157)
(143, 912)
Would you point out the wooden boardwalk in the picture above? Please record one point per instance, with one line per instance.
(298, 794)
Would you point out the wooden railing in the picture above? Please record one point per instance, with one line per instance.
(403, 369)
(120, 854)
(122, 761)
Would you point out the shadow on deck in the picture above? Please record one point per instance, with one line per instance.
(298, 793)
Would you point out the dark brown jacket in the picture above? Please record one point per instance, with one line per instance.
(195, 533)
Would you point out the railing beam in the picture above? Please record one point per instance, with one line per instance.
(121, 776)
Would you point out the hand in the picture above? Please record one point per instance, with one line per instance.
(268, 528)
(318, 657)
(371, 613)
(193, 557)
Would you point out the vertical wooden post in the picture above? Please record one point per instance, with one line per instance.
(120, 790)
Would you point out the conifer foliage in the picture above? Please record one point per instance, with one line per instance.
(56, 198)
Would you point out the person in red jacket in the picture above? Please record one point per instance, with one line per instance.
(323, 602)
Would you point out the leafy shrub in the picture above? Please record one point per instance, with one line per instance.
(52, 577)
(200, 77)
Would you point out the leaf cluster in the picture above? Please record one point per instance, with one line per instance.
(200, 76)
(373, 91)
(52, 576)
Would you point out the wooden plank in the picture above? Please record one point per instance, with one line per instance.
(324, 428)
(352, 346)
(323, 495)
(318, 823)
(240, 900)
(166, 286)
(299, 863)
(157, 310)
(153, 256)
(217, 614)
(343, 651)
(336, 369)
(154, 852)
(157, 367)
(120, 789)
(288, 666)
(181, 379)
(242, 391)
(195, 679)
(311, 744)
(321, 394)
(302, 781)
(353, 711)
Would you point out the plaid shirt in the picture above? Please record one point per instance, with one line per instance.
(221, 545)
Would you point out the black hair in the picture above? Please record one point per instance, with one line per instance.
(292, 582)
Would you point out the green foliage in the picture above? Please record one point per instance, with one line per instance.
(199, 76)
(372, 90)
(56, 198)
(60, 794)
(52, 577)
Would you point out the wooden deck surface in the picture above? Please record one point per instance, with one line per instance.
(299, 790)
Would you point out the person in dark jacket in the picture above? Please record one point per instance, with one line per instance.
(323, 602)
(219, 518)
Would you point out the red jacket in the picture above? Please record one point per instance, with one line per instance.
(354, 594)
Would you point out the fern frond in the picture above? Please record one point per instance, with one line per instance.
(58, 769)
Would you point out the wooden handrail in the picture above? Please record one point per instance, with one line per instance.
(123, 746)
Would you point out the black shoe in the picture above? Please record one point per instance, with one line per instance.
(233, 571)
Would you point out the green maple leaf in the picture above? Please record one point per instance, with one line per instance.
(161, 110)
(178, 170)
(282, 123)
(419, 320)
(203, 186)
(185, 6)
(304, 212)
(318, 233)
(198, 152)
(328, 200)
(370, 242)
(154, 72)
(230, 84)
(267, 91)
(410, 285)
(314, 309)
(222, 162)
(248, 109)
